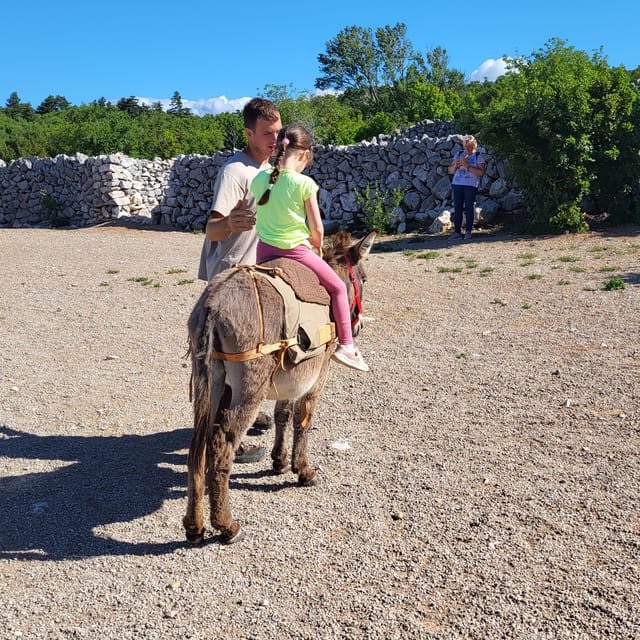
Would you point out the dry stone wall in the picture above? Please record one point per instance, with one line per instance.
(82, 191)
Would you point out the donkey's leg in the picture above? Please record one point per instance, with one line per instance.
(283, 418)
(221, 446)
(303, 418)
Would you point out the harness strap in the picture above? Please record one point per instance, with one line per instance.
(257, 352)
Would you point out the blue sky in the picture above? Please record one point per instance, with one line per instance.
(218, 54)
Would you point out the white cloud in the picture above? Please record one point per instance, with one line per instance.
(489, 70)
(202, 106)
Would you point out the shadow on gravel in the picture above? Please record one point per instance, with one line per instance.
(52, 515)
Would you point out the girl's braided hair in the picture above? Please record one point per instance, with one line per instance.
(292, 136)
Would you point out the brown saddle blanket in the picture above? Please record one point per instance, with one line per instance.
(301, 279)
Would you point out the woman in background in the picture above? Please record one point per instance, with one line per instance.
(467, 168)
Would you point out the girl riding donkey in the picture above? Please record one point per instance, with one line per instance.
(285, 199)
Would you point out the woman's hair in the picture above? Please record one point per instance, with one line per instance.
(471, 139)
(292, 136)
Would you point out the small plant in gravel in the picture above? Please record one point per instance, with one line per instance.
(186, 281)
(527, 305)
(141, 279)
(569, 258)
(499, 301)
(449, 269)
(429, 255)
(526, 256)
(176, 270)
(112, 271)
(598, 248)
(485, 271)
(564, 282)
(615, 284)
(377, 206)
(577, 269)
(534, 276)
(461, 356)
(608, 268)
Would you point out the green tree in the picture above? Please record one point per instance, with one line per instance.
(176, 107)
(16, 109)
(52, 103)
(357, 59)
(557, 117)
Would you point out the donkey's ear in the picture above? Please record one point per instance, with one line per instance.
(362, 247)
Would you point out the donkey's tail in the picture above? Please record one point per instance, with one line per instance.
(207, 374)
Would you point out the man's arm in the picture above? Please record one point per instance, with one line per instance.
(220, 227)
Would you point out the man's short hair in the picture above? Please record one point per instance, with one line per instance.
(259, 108)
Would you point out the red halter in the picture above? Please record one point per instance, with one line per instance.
(356, 304)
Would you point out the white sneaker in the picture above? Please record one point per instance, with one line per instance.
(351, 359)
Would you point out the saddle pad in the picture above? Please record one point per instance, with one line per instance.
(301, 279)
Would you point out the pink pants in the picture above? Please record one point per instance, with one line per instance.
(328, 279)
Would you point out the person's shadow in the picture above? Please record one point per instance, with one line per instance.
(52, 515)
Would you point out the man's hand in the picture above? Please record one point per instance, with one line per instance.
(220, 227)
(241, 220)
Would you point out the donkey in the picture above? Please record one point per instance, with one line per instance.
(234, 314)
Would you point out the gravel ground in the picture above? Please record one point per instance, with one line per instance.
(481, 482)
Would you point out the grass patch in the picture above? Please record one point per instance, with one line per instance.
(577, 269)
(564, 282)
(527, 305)
(176, 270)
(428, 255)
(569, 259)
(186, 281)
(526, 256)
(598, 248)
(449, 269)
(608, 268)
(499, 301)
(112, 272)
(615, 284)
(534, 276)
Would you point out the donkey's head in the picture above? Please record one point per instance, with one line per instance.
(345, 257)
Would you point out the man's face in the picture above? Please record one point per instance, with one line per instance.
(262, 139)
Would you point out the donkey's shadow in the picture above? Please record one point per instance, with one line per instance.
(52, 515)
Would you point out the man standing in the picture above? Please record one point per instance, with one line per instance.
(231, 235)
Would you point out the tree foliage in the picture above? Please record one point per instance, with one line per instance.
(565, 122)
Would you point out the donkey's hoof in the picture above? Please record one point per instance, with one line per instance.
(195, 537)
(279, 469)
(233, 538)
(310, 481)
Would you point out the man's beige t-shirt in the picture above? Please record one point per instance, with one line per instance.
(231, 191)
